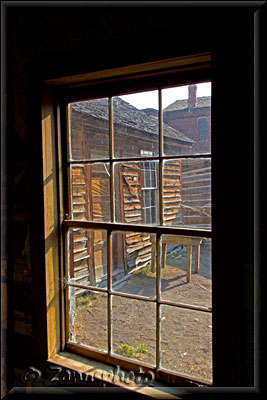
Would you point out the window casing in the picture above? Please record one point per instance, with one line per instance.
(151, 183)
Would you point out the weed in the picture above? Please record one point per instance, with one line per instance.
(129, 351)
(145, 271)
(83, 300)
(126, 350)
(142, 348)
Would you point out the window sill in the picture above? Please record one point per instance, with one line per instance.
(110, 376)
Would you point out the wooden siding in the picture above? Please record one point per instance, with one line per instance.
(186, 201)
(82, 269)
(172, 192)
(196, 192)
(90, 201)
(185, 189)
(138, 246)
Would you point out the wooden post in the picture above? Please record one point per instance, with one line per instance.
(189, 263)
(153, 253)
(163, 258)
(197, 257)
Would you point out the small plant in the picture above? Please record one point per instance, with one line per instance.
(126, 350)
(129, 351)
(145, 271)
(83, 300)
(142, 348)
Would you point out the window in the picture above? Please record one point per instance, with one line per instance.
(149, 191)
(202, 129)
(136, 236)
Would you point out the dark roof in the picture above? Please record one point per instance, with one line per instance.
(204, 101)
(127, 115)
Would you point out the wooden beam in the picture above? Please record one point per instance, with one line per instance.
(163, 229)
(82, 79)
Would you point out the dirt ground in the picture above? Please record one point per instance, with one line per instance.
(186, 335)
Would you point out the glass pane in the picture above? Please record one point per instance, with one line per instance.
(186, 270)
(187, 192)
(88, 257)
(88, 318)
(90, 192)
(186, 341)
(134, 329)
(134, 263)
(89, 130)
(135, 121)
(187, 119)
(130, 199)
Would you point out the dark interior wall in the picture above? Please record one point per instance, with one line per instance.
(51, 42)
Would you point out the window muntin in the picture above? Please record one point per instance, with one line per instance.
(114, 230)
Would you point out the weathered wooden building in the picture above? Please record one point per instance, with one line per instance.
(136, 185)
(192, 117)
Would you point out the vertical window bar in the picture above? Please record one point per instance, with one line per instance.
(68, 214)
(150, 193)
(111, 141)
(109, 289)
(161, 216)
(109, 266)
(61, 230)
(68, 211)
(66, 288)
(158, 265)
(68, 119)
(160, 125)
(111, 154)
(158, 276)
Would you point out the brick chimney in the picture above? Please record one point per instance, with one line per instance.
(192, 95)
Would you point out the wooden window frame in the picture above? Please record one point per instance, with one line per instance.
(56, 94)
